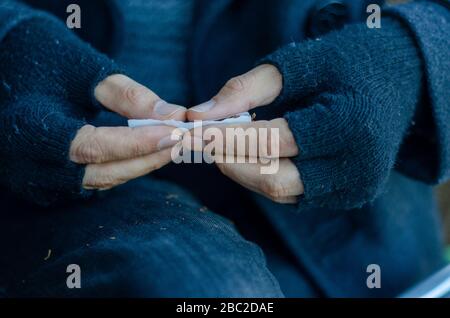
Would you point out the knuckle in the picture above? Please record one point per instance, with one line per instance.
(135, 149)
(86, 148)
(132, 147)
(94, 151)
(236, 84)
(274, 188)
(134, 94)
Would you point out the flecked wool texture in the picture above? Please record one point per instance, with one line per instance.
(355, 93)
(350, 131)
(46, 98)
(349, 136)
(399, 230)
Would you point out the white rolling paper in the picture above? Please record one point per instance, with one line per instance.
(238, 119)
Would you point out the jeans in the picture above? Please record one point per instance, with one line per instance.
(147, 238)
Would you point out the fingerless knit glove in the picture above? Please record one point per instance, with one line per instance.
(47, 77)
(353, 94)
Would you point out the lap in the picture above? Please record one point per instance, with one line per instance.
(146, 238)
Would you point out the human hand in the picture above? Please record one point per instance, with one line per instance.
(348, 103)
(114, 155)
(259, 87)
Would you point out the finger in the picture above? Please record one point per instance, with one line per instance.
(284, 186)
(128, 98)
(258, 87)
(264, 139)
(104, 144)
(103, 176)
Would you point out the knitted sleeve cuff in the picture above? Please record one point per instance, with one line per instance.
(342, 163)
(429, 22)
(59, 64)
(348, 117)
(34, 150)
(48, 77)
(301, 66)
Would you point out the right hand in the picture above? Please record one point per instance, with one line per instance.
(115, 155)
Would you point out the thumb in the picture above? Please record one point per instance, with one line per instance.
(258, 87)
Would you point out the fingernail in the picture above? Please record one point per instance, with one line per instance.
(203, 107)
(163, 108)
(168, 141)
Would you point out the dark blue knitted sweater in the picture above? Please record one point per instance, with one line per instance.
(382, 108)
(357, 98)
(157, 34)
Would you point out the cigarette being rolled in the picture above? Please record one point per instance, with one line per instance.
(238, 119)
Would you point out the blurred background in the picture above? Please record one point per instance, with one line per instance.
(443, 194)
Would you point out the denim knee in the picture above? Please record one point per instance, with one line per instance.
(183, 255)
(137, 245)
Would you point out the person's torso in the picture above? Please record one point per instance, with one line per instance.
(155, 48)
(227, 38)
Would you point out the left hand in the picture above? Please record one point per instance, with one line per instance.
(258, 87)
